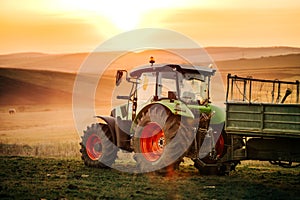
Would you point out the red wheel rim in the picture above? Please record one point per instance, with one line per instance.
(94, 147)
(152, 141)
(220, 146)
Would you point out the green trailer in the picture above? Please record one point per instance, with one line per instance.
(265, 114)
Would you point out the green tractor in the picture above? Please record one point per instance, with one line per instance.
(168, 116)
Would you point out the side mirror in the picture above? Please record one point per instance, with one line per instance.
(119, 77)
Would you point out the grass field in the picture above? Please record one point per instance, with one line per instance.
(46, 178)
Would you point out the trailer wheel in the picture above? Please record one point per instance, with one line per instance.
(160, 140)
(97, 150)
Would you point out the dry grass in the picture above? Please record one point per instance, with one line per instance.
(58, 150)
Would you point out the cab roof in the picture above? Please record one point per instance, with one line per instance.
(191, 69)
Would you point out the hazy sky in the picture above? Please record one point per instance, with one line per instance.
(56, 26)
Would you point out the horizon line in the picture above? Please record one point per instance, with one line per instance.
(111, 51)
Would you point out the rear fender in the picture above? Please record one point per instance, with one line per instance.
(111, 122)
(219, 115)
(217, 121)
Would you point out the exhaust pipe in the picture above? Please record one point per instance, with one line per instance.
(287, 93)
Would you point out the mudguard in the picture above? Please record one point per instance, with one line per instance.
(219, 115)
(111, 122)
(217, 121)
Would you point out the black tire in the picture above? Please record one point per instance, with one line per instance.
(97, 150)
(171, 147)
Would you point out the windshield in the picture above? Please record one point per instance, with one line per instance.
(193, 90)
(190, 88)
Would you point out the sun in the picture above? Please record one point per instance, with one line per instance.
(123, 15)
(109, 17)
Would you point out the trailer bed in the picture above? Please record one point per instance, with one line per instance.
(267, 120)
(265, 112)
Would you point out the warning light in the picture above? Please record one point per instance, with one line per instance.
(151, 61)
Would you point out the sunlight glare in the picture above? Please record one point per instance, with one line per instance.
(124, 15)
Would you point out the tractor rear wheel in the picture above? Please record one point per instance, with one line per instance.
(97, 150)
(160, 140)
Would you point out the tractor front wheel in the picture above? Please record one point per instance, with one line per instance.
(97, 150)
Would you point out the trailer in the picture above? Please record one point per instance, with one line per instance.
(265, 114)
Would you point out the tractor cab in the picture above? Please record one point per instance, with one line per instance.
(187, 84)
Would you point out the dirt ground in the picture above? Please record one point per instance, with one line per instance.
(38, 124)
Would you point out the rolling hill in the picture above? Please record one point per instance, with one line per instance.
(34, 78)
(19, 86)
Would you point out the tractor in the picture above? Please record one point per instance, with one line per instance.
(167, 116)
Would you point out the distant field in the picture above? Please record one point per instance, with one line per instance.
(30, 86)
(45, 178)
(72, 62)
(285, 67)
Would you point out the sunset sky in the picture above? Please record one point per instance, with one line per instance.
(57, 26)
